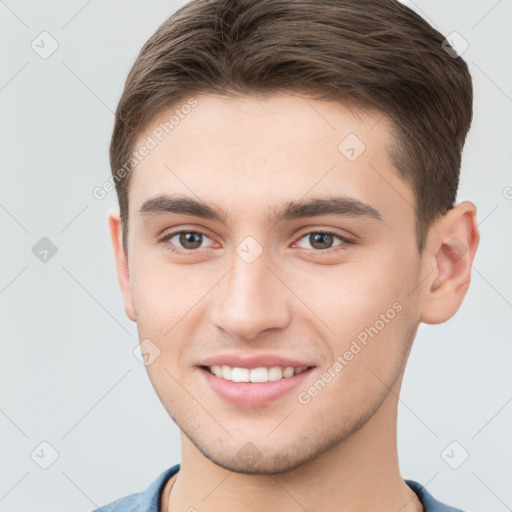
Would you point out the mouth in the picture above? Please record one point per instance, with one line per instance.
(253, 387)
(260, 374)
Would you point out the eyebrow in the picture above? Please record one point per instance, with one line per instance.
(339, 205)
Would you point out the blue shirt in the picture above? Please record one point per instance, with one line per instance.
(149, 500)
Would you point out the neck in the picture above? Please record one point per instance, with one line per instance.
(360, 474)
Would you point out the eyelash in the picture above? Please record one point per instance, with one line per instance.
(346, 242)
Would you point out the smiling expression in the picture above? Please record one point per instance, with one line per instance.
(265, 235)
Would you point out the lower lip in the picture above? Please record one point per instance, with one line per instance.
(251, 394)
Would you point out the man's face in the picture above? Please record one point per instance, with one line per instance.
(260, 288)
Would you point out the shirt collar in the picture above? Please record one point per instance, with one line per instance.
(149, 500)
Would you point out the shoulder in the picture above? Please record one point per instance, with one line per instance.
(146, 501)
(430, 504)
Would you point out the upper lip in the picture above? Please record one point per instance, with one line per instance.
(253, 361)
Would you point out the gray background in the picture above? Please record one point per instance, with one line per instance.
(68, 373)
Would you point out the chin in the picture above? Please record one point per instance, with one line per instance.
(257, 464)
(268, 458)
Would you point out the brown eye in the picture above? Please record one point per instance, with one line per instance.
(190, 240)
(324, 240)
(321, 240)
(183, 241)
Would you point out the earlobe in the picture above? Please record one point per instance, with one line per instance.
(121, 262)
(453, 244)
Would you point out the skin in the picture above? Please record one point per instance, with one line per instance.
(247, 155)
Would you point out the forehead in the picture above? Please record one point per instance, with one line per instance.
(257, 152)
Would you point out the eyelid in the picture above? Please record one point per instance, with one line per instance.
(320, 229)
(170, 234)
(345, 242)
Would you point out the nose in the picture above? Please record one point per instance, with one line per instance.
(251, 299)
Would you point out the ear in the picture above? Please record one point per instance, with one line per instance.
(116, 234)
(450, 250)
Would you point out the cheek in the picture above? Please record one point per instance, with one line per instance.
(366, 363)
(163, 293)
(354, 297)
(370, 336)
(368, 313)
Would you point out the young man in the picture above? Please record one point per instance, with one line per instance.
(286, 172)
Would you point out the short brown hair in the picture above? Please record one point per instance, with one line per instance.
(376, 53)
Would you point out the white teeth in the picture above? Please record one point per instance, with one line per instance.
(275, 373)
(261, 374)
(240, 374)
(226, 372)
(258, 375)
(288, 371)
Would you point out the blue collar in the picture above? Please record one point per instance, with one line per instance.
(149, 500)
